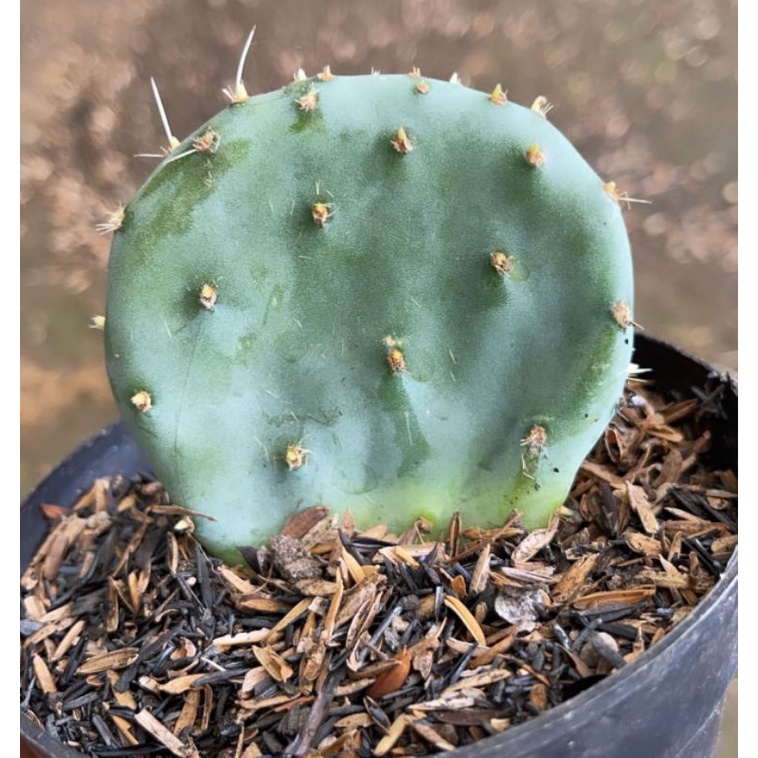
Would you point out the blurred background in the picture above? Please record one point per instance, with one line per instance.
(646, 90)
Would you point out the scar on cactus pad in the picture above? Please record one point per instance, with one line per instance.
(493, 387)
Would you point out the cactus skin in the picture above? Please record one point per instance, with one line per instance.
(358, 317)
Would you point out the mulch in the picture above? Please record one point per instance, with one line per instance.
(337, 641)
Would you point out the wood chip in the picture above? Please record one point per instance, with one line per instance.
(640, 543)
(291, 616)
(354, 569)
(316, 587)
(113, 660)
(180, 684)
(480, 575)
(614, 597)
(178, 510)
(670, 577)
(188, 714)
(151, 725)
(724, 544)
(399, 554)
(533, 543)
(271, 702)
(393, 735)
(34, 608)
(455, 526)
(574, 579)
(251, 751)
(458, 586)
(123, 697)
(346, 744)
(236, 582)
(488, 656)
(69, 639)
(51, 511)
(679, 411)
(277, 668)
(45, 679)
(354, 721)
(642, 507)
(56, 551)
(206, 711)
(431, 735)
(602, 474)
(453, 702)
(303, 521)
(478, 678)
(257, 604)
(463, 613)
(358, 599)
(138, 581)
(394, 678)
(538, 696)
(241, 639)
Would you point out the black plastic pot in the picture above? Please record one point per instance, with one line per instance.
(665, 705)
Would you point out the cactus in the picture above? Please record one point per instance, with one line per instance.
(389, 294)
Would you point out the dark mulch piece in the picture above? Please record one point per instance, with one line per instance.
(334, 641)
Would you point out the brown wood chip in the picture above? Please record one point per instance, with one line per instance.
(169, 740)
(453, 702)
(463, 613)
(538, 696)
(614, 597)
(428, 732)
(640, 543)
(303, 521)
(44, 678)
(69, 639)
(292, 615)
(236, 582)
(255, 604)
(478, 678)
(394, 733)
(272, 702)
(354, 569)
(533, 543)
(188, 714)
(180, 684)
(642, 507)
(480, 576)
(55, 553)
(115, 659)
(724, 544)
(277, 668)
(574, 579)
(394, 678)
(242, 638)
(602, 474)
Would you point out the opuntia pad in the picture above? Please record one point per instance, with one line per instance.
(388, 294)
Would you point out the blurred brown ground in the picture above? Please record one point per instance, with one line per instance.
(646, 90)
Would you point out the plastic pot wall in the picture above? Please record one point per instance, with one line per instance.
(665, 705)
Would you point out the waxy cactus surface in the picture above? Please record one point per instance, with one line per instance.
(389, 294)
